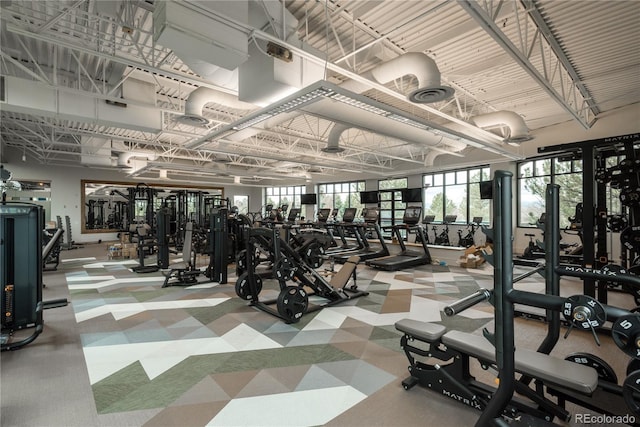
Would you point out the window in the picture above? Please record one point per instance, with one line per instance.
(340, 195)
(278, 196)
(242, 203)
(391, 206)
(533, 177)
(456, 193)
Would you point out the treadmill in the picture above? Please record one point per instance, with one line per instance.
(370, 224)
(347, 225)
(406, 258)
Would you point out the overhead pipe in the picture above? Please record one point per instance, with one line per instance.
(333, 141)
(518, 130)
(418, 64)
(124, 158)
(193, 108)
(412, 63)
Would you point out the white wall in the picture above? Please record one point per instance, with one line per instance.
(66, 191)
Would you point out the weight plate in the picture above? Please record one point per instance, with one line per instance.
(605, 371)
(630, 196)
(631, 387)
(292, 303)
(584, 312)
(626, 334)
(313, 254)
(284, 269)
(241, 262)
(616, 223)
(634, 365)
(243, 286)
(630, 238)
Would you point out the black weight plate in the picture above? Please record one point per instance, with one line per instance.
(284, 269)
(630, 196)
(313, 255)
(241, 262)
(584, 312)
(630, 238)
(616, 223)
(626, 334)
(292, 303)
(630, 387)
(605, 371)
(243, 287)
(634, 365)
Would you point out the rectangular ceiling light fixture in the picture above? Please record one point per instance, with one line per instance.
(324, 89)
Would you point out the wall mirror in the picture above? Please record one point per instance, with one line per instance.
(110, 206)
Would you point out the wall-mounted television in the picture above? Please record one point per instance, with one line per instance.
(308, 199)
(368, 197)
(486, 189)
(411, 195)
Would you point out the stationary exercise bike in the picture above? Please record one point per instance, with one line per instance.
(442, 238)
(428, 219)
(468, 240)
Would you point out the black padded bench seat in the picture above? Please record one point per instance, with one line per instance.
(549, 369)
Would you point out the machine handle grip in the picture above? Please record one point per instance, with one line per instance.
(467, 302)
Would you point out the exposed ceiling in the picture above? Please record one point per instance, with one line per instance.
(106, 84)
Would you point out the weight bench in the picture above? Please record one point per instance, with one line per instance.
(186, 272)
(456, 348)
(341, 278)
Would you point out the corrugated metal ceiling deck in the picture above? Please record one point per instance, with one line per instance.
(599, 39)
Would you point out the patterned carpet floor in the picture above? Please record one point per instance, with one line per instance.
(204, 357)
(128, 352)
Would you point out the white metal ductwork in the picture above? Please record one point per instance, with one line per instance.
(201, 97)
(333, 143)
(417, 64)
(430, 158)
(518, 131)
(125, 159)
(414, 63)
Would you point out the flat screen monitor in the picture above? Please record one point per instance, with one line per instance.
(428, 219)
(370, 215)
(486, 190)
(412, 215)
(368, 197)
(411, 195)
(308, 199)
(323, 214)
(293, 214)
(449, 219)
(349, 214)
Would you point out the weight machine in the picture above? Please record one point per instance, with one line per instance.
(553, 377)
(594, 154)
(289, 266)
(21, 265)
